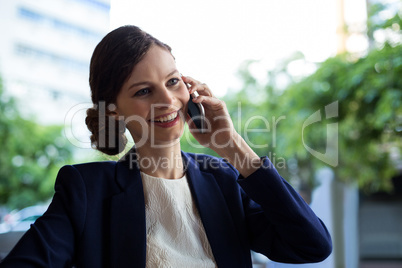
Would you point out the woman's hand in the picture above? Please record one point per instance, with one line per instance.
(220, 134)
(219, 129)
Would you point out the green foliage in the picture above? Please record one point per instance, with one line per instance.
(369, 95)
(368, 92)
(30, 157)
(390, 26)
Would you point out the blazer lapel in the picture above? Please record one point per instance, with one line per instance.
(128, 227)
(215, 216)
(128, 230)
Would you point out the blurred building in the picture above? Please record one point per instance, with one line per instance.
(45, 49)
(380, 228)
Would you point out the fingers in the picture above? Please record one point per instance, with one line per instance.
(201, 88)
(214, 103)
(205, 95)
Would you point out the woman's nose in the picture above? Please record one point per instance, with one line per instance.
(165, 98)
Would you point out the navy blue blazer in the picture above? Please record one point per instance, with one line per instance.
(97, 217)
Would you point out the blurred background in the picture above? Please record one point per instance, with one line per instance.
(315, 85)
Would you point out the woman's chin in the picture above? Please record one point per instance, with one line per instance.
(160, 138)
(164, 143)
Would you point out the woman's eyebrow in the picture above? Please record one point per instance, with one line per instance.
(173, 72)
(138, 84)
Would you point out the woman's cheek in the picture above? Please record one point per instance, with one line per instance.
(183, 94)
(184, 89)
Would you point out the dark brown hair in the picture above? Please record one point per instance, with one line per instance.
(111, 65)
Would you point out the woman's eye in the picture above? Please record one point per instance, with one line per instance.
(173, 81)
(142, 92)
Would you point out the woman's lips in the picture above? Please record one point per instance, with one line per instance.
(167, 120)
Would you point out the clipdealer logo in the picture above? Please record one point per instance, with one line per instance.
(79, 138)
(331, 154)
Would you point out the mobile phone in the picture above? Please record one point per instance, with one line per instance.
(197, 113)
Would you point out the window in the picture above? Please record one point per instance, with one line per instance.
(28, 51)
(99, 4)
(28, 14)
(57, 23)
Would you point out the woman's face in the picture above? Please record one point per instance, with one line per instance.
(153, 101)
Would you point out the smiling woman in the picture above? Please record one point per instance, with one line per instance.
(160, 206)
(108, 74)
(154, 95)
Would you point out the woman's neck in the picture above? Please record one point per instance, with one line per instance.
(160, 161)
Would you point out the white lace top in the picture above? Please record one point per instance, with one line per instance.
(175, 234)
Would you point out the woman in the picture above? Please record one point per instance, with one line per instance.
(159, 206)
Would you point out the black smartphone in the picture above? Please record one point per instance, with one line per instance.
(197, 113)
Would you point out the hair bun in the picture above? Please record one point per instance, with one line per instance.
(108, 134)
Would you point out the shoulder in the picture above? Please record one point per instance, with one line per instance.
(96, 168)
(91, 168)
(93, 174)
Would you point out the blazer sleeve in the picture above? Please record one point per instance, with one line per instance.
(50, 240)
(280, 223)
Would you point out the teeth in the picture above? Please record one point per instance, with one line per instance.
(167, 118)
